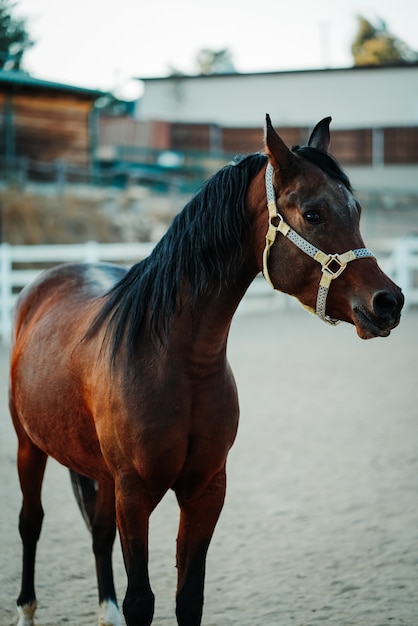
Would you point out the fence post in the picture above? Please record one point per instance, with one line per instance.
(5, 291)
(403, 271)
(61, 174)
(23, 173)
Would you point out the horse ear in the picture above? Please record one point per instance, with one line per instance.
(277, 151)
(320, 137)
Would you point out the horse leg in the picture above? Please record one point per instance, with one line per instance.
(97, 504)
(133, 509)
(199, 515)
(104, 532)
(31, 463)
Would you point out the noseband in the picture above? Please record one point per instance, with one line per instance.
(332, 265)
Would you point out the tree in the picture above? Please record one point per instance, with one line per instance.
(375, 45)
(209, 61)
(215, 61)
(14, 37)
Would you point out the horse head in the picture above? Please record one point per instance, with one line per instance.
(314, 249)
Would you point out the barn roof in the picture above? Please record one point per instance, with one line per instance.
(261, 74)
(24, 80)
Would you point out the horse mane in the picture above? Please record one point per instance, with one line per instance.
(204, 245)
(325, 161)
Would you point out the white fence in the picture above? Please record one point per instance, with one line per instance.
(13, 279)
(398, 258)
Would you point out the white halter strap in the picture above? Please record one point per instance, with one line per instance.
(332, 265)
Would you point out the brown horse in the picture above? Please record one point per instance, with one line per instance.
(122, 376)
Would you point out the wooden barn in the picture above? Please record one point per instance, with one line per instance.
(42, 123)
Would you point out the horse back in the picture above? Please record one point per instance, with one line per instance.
(67, 286)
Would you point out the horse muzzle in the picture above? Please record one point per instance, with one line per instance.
(382, 316)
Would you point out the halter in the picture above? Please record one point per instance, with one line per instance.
(332, 265)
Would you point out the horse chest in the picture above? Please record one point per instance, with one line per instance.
(186, 424)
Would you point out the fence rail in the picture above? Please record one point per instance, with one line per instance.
(123, 166)
(13, 277)
(19, 265)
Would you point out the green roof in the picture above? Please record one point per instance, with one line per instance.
(22, 79)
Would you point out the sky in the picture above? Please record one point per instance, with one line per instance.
(107, 44)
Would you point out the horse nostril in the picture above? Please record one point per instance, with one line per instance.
(385, 304)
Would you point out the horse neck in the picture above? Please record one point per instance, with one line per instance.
(205, 324)
(202, 329)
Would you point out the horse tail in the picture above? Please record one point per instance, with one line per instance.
(85, 492)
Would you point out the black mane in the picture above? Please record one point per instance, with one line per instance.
(204, 245)
(325, 162)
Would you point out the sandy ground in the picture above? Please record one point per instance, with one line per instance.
(320, 523)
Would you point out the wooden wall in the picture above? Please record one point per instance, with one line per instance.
(350, 147)
(249, 140)
(45, 126)
(401, 145)
(127, 131)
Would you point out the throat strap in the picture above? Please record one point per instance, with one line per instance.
(332, 265)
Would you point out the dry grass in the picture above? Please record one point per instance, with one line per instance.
(43, 216)
(33, 219)
(102, 215)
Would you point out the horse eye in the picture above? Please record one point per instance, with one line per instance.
(313, 217)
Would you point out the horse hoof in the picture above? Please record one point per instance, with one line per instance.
(26, 613)
(109, 614)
